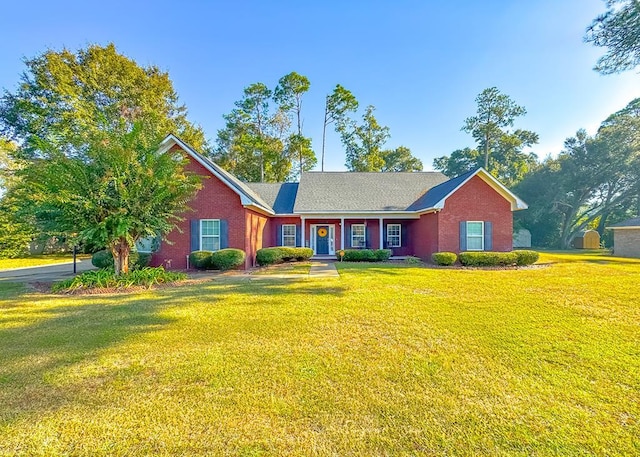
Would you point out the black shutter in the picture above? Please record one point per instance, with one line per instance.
(403, 235)
(195, 234)
(463, 235)
(298, 235)
(488, 236)
(367, 241)
(279, 235)
(224, 234)
(347, 241)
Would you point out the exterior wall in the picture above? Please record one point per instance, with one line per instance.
(254, 235)
(475, 201)
(424, 236)
(406, 239)
(307, 230)
(626, 242)
(214, 201)
(271, 235)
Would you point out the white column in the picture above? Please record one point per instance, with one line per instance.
(302, 227)
(381, 232)
(342, 233)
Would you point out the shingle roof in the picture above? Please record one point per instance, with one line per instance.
(635, 222)
(349, 191)
(280, 196)
(437, 193)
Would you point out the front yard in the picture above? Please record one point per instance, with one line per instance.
(38, 260)
(385, 360)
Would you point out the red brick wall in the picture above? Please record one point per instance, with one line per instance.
(254, 235)
(274, 222)
(214, 201)
(424, 236)
(475, 201)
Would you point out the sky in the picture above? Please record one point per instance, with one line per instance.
(420, 63)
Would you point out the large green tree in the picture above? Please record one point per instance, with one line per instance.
(400, 159)
(617, 30)
(364, 143)
(89, 125)
(337, 107)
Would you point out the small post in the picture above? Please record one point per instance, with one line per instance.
(75, 255)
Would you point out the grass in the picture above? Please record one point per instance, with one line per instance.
(287, 268)
(37, 260)
(385, 360)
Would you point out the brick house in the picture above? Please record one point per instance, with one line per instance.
(410, 213)
(626, 238)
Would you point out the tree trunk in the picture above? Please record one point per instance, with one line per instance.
(324, 134)
(120, 250)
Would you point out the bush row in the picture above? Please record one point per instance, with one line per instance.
(224, 259)
(106, 278)
(486, 258)
(270, 256)
(104, 259)
(366, 255)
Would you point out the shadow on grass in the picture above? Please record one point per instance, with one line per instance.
(54, 338)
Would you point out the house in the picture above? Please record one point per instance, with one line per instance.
(626, 238)
(411, 213)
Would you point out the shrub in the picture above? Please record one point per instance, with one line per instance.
(106, 278)
(226, 259)
(382, 255)
(268, 256)
(200, 260)
(144, 259)
(412, 260)
(303, 254)
(487, 259)
(525, 257)
(104, 259)
(444, 259)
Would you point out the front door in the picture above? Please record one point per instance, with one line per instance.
(322, 239)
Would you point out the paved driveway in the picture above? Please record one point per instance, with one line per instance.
(45, 273)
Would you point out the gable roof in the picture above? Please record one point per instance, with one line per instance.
(362, 192)
(280, 196)
(247, 196)
(629, 223)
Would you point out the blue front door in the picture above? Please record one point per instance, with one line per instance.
(322, 239)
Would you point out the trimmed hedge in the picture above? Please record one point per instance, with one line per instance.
(487, 259)
(366, 255)
(104, 259)
(444, 259)
(269, 256)
(200, 260)
(227, 259)
(526, 257)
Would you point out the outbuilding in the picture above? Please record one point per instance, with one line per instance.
(626, 238)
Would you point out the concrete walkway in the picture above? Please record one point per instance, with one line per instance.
(323, 269)
(45, 273)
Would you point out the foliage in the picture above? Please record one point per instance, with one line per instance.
(487, 259)
(106, 278)
(89, 126)
(526, 257)
(413, 260)
(444, 259)
(278, 254)
(363, 143)
(200, 260)
(104, 259)
(617, 30)
(499, 151)
(400, 160)
(337, 106)
(366, 255)
(227, 259)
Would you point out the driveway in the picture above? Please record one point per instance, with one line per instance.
(45, 273)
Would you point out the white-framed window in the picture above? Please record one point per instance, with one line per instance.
(289, 235)
(358, 236)
(394, 235)
(475, 236)
(209, 234)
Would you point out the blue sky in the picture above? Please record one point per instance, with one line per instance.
(420, 63)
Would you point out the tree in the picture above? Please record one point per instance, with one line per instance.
(288, 95)
(65, 98)
(340, 102)
(400, 159)
(89, 125)
(495, 111)
(617, 30)
(114, 192)
(364, 143)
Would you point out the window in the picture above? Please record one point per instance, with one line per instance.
(475, 236)
(358, 236)
(289, 235)
(209, 234)
(394, 239)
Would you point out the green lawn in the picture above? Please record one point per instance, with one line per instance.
(389, 360)
(37, 260)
